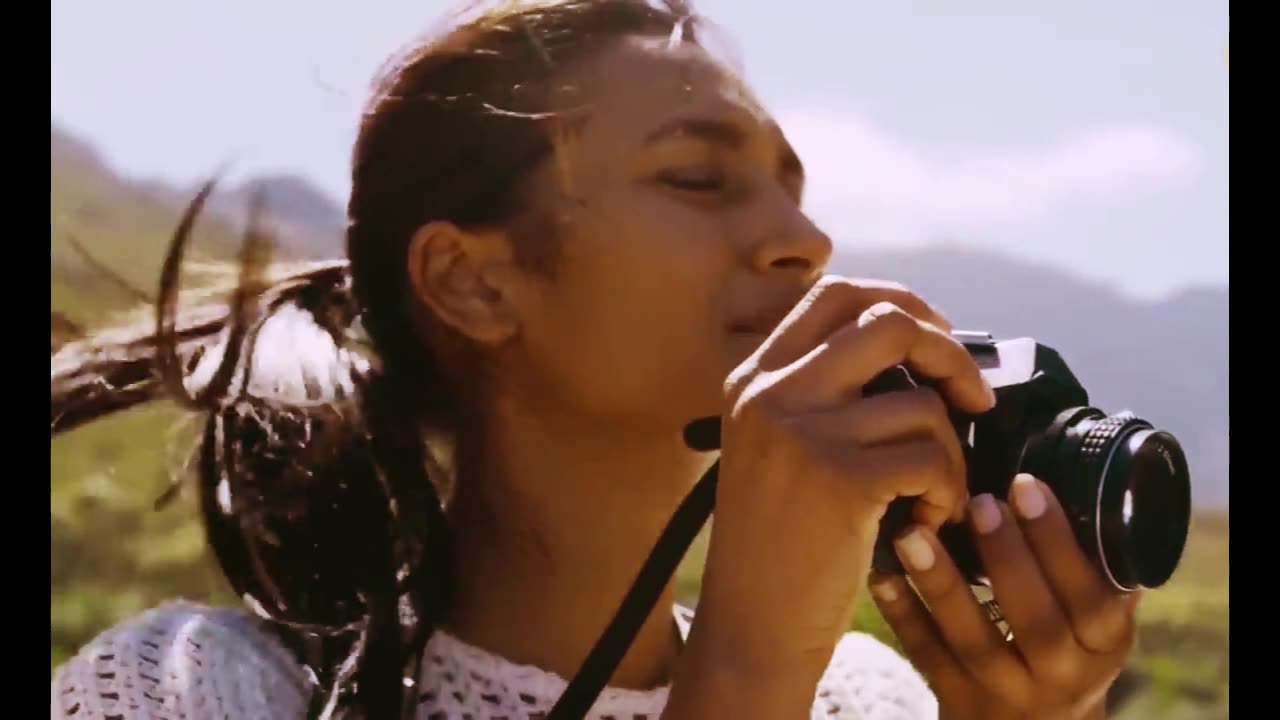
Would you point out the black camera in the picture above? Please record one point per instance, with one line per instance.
(1124, 484)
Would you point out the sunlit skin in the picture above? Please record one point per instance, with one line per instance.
(684, 245)
(680, 208)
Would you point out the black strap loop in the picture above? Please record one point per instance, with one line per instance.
(658, 568)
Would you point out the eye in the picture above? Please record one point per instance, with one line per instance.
(699, 180)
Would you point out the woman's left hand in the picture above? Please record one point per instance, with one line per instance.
(1072, 632)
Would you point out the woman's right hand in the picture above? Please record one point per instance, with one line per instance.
(808, 467)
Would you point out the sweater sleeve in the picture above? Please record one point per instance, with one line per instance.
(181, 661)
(868, 680)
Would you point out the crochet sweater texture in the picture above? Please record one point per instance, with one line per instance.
(192, 662)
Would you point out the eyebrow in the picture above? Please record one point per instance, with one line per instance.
(713, 131)
(720, 132)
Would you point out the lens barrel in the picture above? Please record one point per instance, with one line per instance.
(1127, 492)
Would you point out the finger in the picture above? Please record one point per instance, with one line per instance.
(918, 634)
(886, 336)
(1040, 627)
(1100, 618)
(912, 468)
(832, 303)
(974, 640)
(896, 417)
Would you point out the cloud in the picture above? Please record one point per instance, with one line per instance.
(865, 181)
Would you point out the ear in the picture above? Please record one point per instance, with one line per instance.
(466, 279)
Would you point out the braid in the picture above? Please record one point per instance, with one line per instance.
(313, 479)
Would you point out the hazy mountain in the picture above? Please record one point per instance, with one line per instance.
(307, 222)
(127, 223)
(1167, 361)
(122, 223)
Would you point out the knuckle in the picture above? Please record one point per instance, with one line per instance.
(861, 291)
(738, 383)
(864, 290)
(827, 283)
(944, 589)
(854, 293)
(1065, 670)
(885, 311)
(882, 287)
(976, 652)
(834, 289)
(1063, 664)
(764, 420)
(906, 297)
(1129, 631)
(936, 464)
(930, 470)
(1094, 623)
(1109, 629)
(917, 305)
(931, 403)
(891, 318)
(753, 408)
(899, 289)
(901, 293)
(924, 466)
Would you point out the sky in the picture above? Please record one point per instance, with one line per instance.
(1087, 135)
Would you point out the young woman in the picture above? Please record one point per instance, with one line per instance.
(438, 465)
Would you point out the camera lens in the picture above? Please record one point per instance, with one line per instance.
(1147, 511)
(1128, 492)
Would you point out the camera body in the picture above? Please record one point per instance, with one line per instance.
(1124, 485)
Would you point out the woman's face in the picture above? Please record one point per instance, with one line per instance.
(677, 202)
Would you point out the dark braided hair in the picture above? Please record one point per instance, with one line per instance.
(323, 387)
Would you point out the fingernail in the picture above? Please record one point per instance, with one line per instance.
(1028, 499)
(884, 591)
(916, 551)
(985, 513)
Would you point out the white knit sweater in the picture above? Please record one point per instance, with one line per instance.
(195, 662)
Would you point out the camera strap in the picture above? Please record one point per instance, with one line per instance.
(685, 524)
(702, 435)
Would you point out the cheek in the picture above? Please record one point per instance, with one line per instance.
(637, 314)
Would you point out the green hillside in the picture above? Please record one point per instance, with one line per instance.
(113, 555)
(123, 225)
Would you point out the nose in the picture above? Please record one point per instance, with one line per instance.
(800, 248)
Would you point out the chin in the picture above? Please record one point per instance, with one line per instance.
(696, 389)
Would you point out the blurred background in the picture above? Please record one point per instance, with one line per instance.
(1049, 169)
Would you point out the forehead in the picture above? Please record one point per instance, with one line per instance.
(632, 85)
